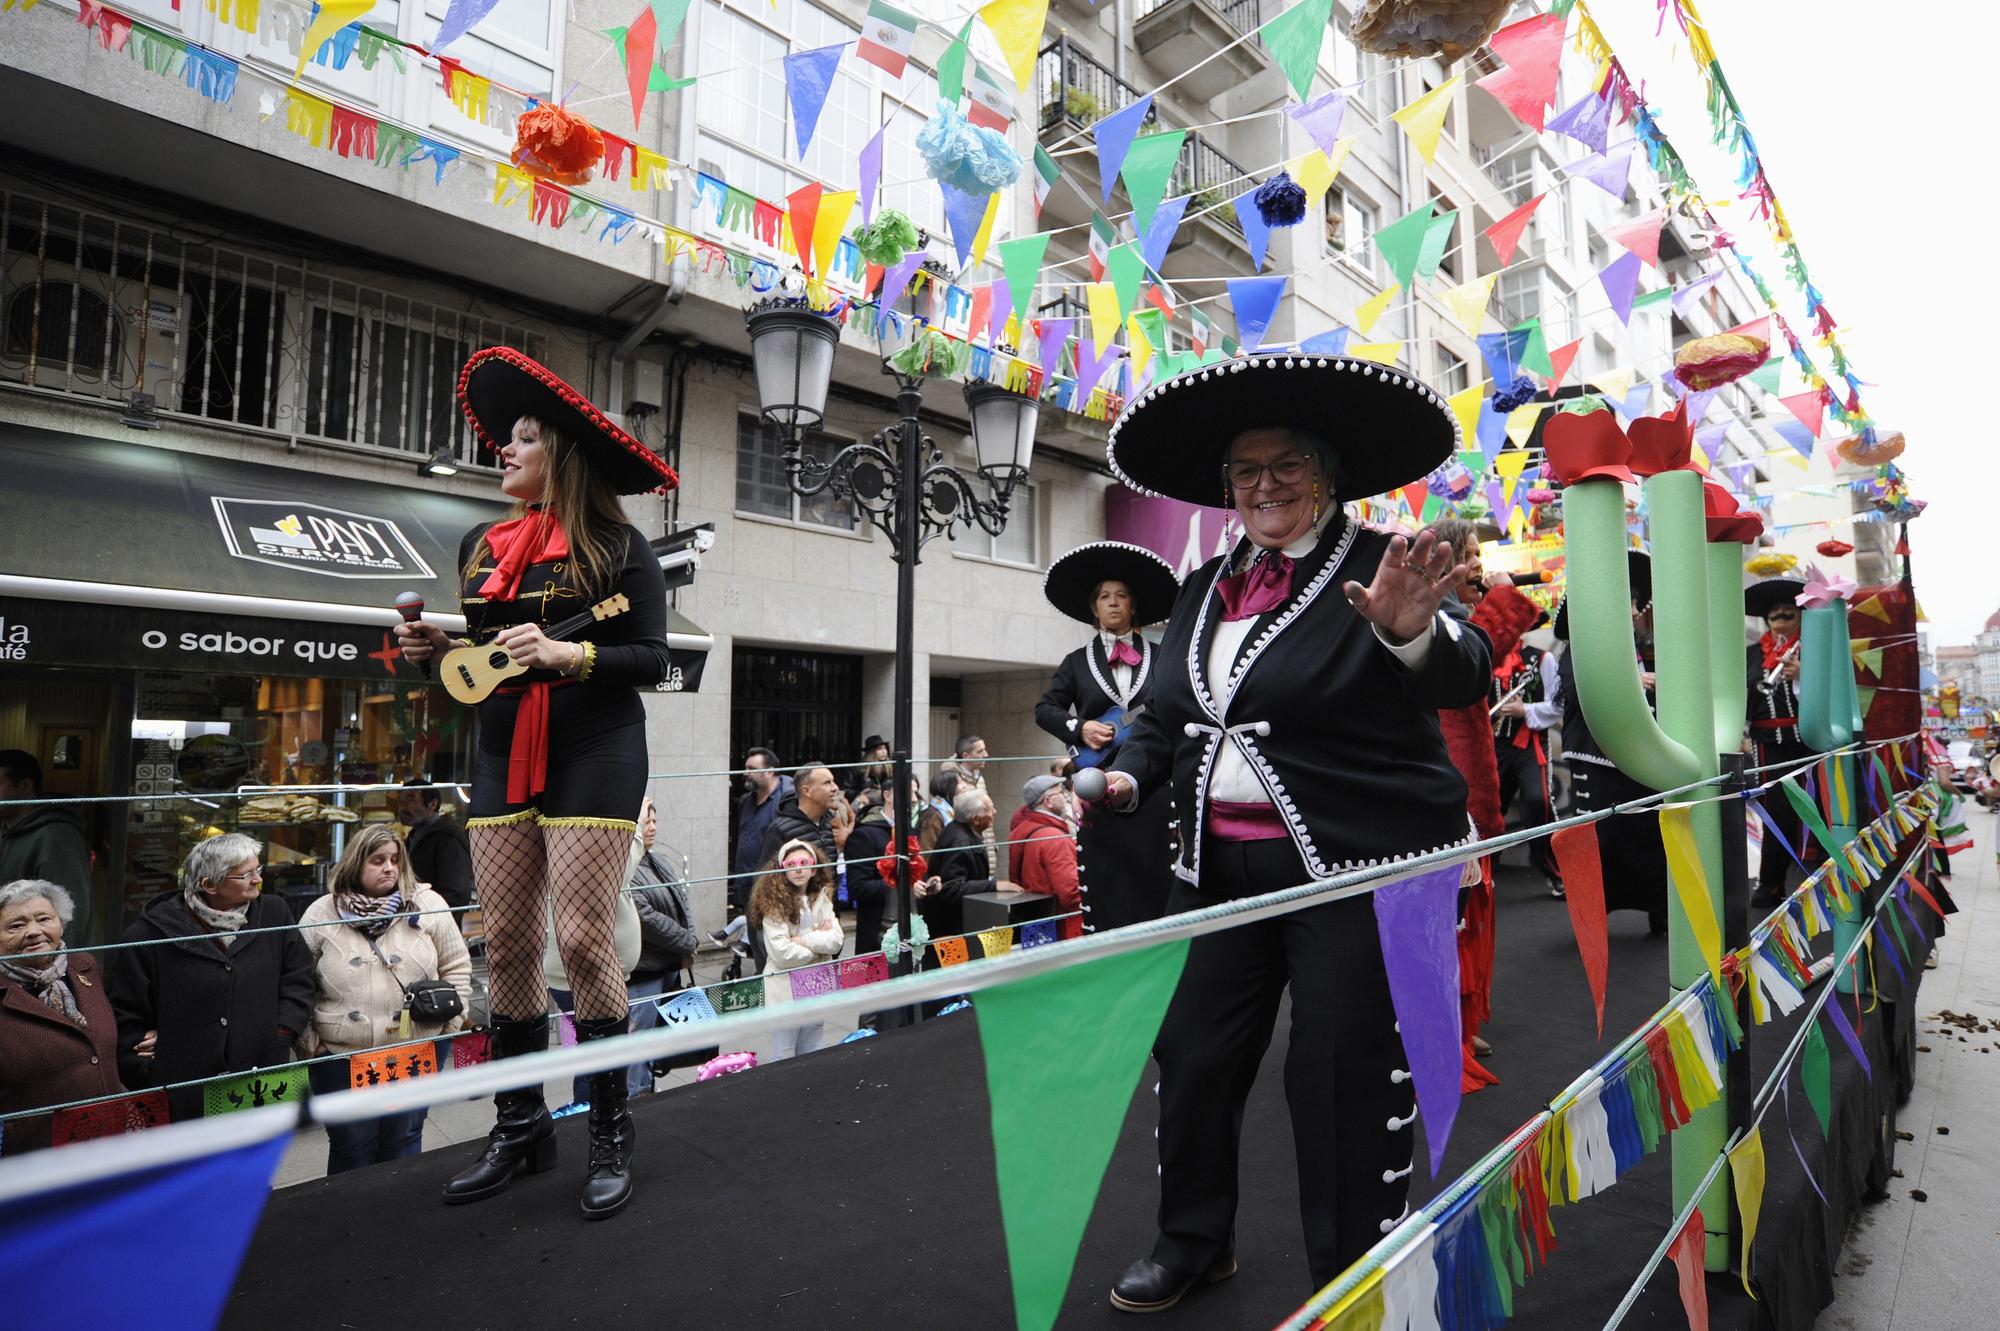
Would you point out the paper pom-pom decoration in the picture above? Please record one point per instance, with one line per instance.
(551, 143)
(965, 156)
(1770, 564)
(1710, 362)
(1540, 495)
(932, 354)
(1517, 394)
(1281, 201)
(1865, 452)
(885, 868)
(887, 239)
(1451, 481)
(1834, 549)
(1411, 28)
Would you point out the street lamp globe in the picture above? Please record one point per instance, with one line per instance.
(791, 350)
(1003, 433)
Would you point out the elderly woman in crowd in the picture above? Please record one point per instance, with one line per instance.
(58, 1039)
(376, 932)
(220, 982)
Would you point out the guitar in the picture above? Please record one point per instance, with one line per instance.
(470, 674)
(1120, 719)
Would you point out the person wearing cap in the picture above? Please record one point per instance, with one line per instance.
(1633, 857)
(1772, 663)
(1294, 714)
(1044, 851)
(561, 760)
(1095, 695)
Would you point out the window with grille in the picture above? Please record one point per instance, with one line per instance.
(374, 381)
(763, 488)
(1520, 293)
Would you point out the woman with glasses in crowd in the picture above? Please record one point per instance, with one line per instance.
(58, 1039)
(222, 981)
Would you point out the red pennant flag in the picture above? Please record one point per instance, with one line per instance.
(982, 311)
(640, 39)
(1533, 44)
(1560, 359)
(1642, 236)
(1583, 891)
(803, 205)
(1414, 495)
(1506, 233)
(1757, 328)
(1525, 95)
(1810, 408)
(875, 273)
(1687, 1254)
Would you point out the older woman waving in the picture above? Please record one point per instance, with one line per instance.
(58, 1039)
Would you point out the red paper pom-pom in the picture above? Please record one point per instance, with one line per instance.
(886, 866)
(558, 146)
(1834, 549)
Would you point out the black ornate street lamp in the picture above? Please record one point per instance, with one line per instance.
(899, 479)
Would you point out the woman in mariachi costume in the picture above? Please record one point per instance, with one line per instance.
(1772, 665)
(1294, 716)
(1634, 858)
(560, 767)
(1098, 692)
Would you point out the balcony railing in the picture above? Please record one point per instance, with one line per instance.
(1212, 177)
(1242, 15)
(102, 307)
(1076, 89)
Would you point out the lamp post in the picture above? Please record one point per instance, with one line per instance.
(899, 479)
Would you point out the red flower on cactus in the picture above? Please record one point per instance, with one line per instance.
(1727, 520)
(1582, 445)
(1662, 443)
(886, 866)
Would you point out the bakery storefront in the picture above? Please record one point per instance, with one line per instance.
(216, 635)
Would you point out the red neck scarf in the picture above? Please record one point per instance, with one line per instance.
(1774, 649)
(533, 538)
(1259, 589)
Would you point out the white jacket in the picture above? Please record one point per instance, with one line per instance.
(813, 936)
(357, 1003)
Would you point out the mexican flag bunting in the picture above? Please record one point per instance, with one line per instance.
(887, 36)
(1101, 239)
(992, 102)
(1046, 175)
(1198, 338)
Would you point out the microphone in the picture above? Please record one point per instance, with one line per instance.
(411, 607)
(1089, 785)
(1535, 579)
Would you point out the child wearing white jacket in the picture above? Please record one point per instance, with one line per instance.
(792, 905)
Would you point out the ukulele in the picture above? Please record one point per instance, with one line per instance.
(470, 674)
(1120, 719)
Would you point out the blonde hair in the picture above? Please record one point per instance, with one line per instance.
(586, 506)
(346, 875)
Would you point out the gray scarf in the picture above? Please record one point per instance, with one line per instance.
(224, 922)
(49, 983)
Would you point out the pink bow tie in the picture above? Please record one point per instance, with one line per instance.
(1124, 653)
(1263, 587)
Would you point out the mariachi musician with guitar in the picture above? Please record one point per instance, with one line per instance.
(567, 609)
(1093, 699)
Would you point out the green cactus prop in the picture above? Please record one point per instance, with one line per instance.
(1829, 720)
(1699, 680)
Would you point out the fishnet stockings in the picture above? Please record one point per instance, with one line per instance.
(510, 866)
(586, 868)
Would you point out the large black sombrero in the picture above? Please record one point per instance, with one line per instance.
(1386, 427)
(1072, 581)
(1638, 570)
(1759, 597)
(499, 385)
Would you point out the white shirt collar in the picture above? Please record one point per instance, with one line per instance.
(1110, 640)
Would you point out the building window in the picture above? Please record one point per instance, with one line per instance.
(1452, 375)
(1350, 225)
(1520, 293)
(376, 382)
(763, 488)
(1448, 264)
(1016, 544)
(47, 334)
(1514, 174)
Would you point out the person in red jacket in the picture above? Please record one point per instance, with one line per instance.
(1503, 615)
(1044, 852)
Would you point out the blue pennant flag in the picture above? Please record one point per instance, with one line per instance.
(459, 18)
(1256, 233)
(1160, 231)
(1502, 353)
(1114, 135)
(808, 79)
(1255, 301)
(1797, 435)
(963, 213)
(1327, 344)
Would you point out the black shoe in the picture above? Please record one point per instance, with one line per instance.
(1556, 891)
(1148, 1287)
(719, 937)
(607, 1187)
(523, 1139)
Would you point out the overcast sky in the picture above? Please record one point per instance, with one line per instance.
(1868, 126)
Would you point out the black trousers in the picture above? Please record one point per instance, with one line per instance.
(1523, 775)
(1352, 1102)
(1629, 849)
(1773, 864)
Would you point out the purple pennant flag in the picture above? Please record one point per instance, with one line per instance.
(1055, 332)
(1620, 279)
(1003, 305)
(1417, 920)
(1797, 435)
(871, 174)
(1609, 170)
(1321, 118)
(1160, 231)
(1804, 1168)
(808, 79)
(1683, 299)
(1698, 401)
(1587, 120)
(1255, 301)
(1497, 505)
(1114, 135)
(963, 213)
(1256, 235)
(1091, 364)
(1895, 962)
(894, 282)
(1636, 402)
(1739, 472)
(1840, 1023)
(812, 981)
(460, 16)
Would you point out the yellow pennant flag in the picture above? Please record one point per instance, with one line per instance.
(1509, 464)
(1104, 315)
(1140, 347)
(997, 942)
(1016, 26)
(828, 226)
(1315, 176)
(1521, 424)
(510, 185)
(333, 16)
(1382, 353)
(1467, 302)
(984, 236)
(308, 117)
(1701, 458)
(1464, 404)
(1691, 886)
(1517, 526)
(1423, 119)
(1370, 310)
(1874, 609)
(1613, 383)
(1746, 1171)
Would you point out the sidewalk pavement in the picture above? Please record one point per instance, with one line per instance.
(1929, 1255)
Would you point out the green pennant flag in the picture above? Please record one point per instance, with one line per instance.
(1652, 298)
(1021, 262)
(1437, 238)
(1816, 1072)
(951, 66)
(1401, 243)
(1153, 323)
(1535, 355)
(253, 1090)
(1070, 1043)
(669, 15)
(657, 80)
(1127, 270)
(1765, 376)
(1293, 38)
(1149, 164)
(1809, 813)
(1884, 787)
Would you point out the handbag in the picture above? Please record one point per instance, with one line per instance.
(434, 1001)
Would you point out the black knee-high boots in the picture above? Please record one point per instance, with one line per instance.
(523, 1139)
(607, 1187)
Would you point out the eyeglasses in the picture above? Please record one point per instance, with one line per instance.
(254, 876)
(790, 865)
(1287, 470)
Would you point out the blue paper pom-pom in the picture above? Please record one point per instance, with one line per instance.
(1517, 394)
(965, 156)
(1281, 201)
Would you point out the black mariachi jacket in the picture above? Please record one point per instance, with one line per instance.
(1529, 671)
(1343, 737)
(1084, 682)
(1777, 701)
(630, 649)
